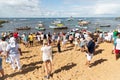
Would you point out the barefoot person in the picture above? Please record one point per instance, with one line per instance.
(47, 58)
(14, 52)
(90, 50)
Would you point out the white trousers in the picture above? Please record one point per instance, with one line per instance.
(15, 61)
(89, 56)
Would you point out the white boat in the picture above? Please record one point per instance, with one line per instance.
(83, 23)
(69, 19)
(56, 27)
(81, 27)
(40, 26)
(57, 24)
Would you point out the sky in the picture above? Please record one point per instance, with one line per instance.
(59, 8)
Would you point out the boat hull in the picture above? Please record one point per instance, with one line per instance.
(105, 26)
(56, 27)
(41, 29)
(23, 28)
(81, 27)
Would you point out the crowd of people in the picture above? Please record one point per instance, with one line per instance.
(82, 40)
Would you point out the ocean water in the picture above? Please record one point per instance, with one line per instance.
(95, 22)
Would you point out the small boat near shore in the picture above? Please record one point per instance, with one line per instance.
(81, 27)
(117, 18)
(105, 25)
(70, 19)
(23, 28)
(58, 25)
(83, 22)
(40, 27)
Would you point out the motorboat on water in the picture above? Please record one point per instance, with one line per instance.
(57, 25)
(105, 25)
(23, 28)
(70, 19)
(40, 26)
(83, 22)
(81, 27)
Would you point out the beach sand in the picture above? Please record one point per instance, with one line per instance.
(67, 65)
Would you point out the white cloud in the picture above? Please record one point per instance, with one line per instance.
(108, 8)
(32, 8)
(19, 8)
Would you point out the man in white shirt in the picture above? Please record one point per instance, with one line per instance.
(14, 53)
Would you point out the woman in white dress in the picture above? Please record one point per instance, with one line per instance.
(47, 58)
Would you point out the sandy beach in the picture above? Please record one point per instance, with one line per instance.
(67, 65)
(64, 24)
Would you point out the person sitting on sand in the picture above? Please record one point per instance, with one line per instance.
(47, 58)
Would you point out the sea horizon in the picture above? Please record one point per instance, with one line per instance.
(63, 17)
(15, 22)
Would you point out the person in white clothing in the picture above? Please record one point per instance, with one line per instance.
(14, 52)
(3, 45)
(41, 38)
(47, 58)
(117, 47)
(64, 40)
(76, 42)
